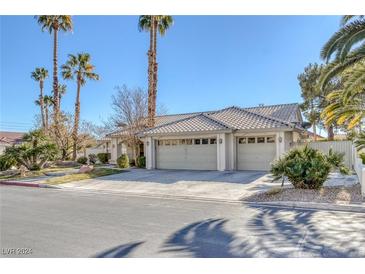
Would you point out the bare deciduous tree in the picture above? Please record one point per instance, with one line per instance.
(130, 110)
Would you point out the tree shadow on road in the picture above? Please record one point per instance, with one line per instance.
(119, 251)
(202, 239)
(272, 232)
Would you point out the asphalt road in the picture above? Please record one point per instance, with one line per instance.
(57, 223)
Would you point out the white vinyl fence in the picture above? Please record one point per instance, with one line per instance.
(338, 146)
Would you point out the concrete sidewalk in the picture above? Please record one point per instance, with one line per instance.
(211, 185)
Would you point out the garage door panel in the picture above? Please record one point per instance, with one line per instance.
(257, 156)
(198, 157)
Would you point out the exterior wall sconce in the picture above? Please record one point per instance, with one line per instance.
(220, 140)
(148, 143)
(280, 139)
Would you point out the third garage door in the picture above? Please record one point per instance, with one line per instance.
(255, 153)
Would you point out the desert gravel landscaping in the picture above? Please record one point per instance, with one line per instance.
(335, 195)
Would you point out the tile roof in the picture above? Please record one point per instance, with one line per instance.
(197, 123)
(10, 138)
(239, 118)
(231, 118)
(286, 112)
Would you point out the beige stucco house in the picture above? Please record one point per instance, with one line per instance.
(233, 138)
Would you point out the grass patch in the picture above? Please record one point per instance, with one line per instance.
(35, 173)
(96, 172)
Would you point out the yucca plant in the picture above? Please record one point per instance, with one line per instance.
(307, 168)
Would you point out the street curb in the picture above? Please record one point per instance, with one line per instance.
(311, 206)
(290, 205)
(16, 183)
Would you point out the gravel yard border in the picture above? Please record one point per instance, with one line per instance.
(350, 195)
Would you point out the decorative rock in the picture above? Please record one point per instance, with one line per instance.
(86, 169)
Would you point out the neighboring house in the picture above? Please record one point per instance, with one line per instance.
(8, 138)
(233, 138)
(102, 146)
(309, 136)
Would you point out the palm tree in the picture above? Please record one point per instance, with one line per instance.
(153, 23)
(61, 92)
(348, 46)
(78, 67)
(39, 75)
(48, 101)
(55, 23)
(347, 104)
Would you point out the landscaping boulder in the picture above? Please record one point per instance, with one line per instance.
(85, 169)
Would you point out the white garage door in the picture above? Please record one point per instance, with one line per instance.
(255, 153)
(199, 154)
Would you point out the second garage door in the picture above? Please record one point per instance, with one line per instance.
(198, 154)
(255, 153)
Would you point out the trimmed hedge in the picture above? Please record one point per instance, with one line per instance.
(123, 161)
(82, 160)
(103, 158)
(141, 161)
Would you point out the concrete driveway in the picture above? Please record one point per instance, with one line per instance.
(216, 185)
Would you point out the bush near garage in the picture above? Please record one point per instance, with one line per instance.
(123, 161)
(307, 168)
(82, 160)
(92, 159)
(103, 158)
(141, 161)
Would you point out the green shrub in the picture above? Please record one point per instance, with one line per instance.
(123, 161)
(362, 156)
(92, 159)
(103, 158)
(306, 167)
(82, 160)
(6, 162)
(141, 161)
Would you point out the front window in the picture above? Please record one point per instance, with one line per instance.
(242, 140)
(251, 140)
(260, 139)
(270, 139)
(205, 141)
(196, 141)
(213, 141)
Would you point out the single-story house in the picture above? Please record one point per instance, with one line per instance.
(233, 138)
(9, 138)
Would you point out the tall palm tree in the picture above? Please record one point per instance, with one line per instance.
(347, 46)
(153, 24)
(39, 75)
(78, 67)
(55, 23)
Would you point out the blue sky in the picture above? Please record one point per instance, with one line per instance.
(205, 62)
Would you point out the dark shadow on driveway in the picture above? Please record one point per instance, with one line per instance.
(119, 251)
(273, 232)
